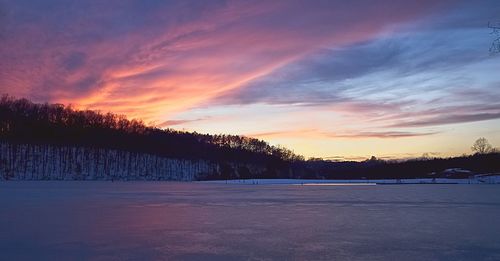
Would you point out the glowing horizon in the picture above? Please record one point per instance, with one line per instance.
(326, 79)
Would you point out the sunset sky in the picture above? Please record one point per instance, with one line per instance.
(333, 79)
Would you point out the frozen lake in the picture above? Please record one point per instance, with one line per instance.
(73, 220)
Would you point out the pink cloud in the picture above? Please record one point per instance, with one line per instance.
(153, 64)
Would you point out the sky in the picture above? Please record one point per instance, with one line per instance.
(333, 79)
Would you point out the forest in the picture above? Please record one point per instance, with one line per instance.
(37, 135)
(54, 141)
(486, 163)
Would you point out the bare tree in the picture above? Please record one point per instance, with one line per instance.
(482, 146)
(495, 45)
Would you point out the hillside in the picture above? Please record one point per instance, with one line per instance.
(53, 141)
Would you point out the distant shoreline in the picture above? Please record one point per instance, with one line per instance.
(494, 179)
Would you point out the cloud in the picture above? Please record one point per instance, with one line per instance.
(328, 75)
(285, 133)
(428, 77)
(188, 52)
(73, 61)
(448, 119)
(170, 123)
(383, 134)
(341, 135)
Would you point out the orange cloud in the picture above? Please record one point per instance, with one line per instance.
(177, 56)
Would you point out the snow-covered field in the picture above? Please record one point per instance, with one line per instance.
(99, 220)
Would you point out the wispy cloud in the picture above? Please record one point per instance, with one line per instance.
(447, 119)
(345, 135)
(170, 123)
(286, 133)
(91, 52)
(382, 134)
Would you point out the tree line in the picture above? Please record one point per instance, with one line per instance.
(53, 141)
(24, 121)
(478, 163)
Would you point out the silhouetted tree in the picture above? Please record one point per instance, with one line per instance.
(482, 146)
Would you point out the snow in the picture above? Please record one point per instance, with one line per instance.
(103, 220)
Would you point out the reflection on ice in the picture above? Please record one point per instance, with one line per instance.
(211, 221)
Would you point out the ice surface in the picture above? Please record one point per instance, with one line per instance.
(97, 220)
